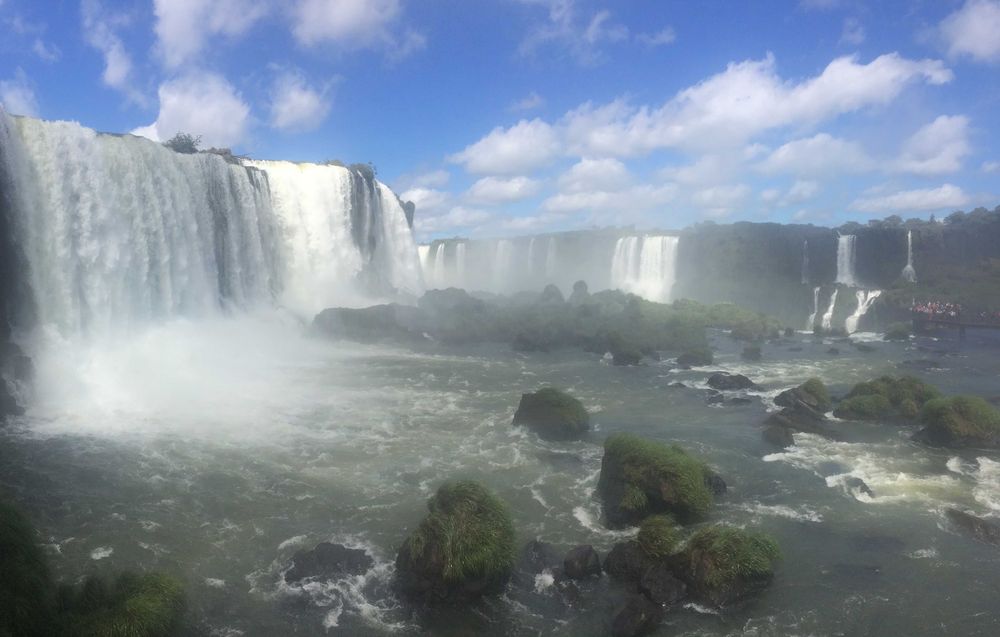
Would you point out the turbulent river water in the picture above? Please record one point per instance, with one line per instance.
(217, 449)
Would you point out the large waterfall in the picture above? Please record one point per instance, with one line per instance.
(645, 266)
(828, 316)
(865, 300)
(846, 260)
(118, 231)
(909, 272)
(811, 322)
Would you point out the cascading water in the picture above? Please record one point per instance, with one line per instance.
(811, 324)
(530, 265)
(440, 274)
(909, 273)
(550, 257)
(865, 300)
(645, 266)
(460, 256)
(828, 316)
(502, 264)
(845, 260)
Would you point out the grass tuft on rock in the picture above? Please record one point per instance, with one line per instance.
(886, 397)
(552, 414)
(960, 421)
(25, 584)
(469, 534)
(815, 388)
(133, 605)
(721, 556)
(658, 536)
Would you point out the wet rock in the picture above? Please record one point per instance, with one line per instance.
(795, 349)
(537, 556)
(730, 382)
(625, 356)
(778, 436)
(980, 528)
(751, 353)
(552, 414)
(582, 561)
(626, 562)
(739, 401)
(811, 394)
(328, 561)
(659, 584)
(715, 483)
(678, 385)
(958, 422)
(864, 347)
(803, 419)
(723, 565)
(714, 398)
(637, 616)
(859, 485)
(833, 351)
(695, 358)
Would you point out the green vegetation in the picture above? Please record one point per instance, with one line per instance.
(886, 397)
(641, 477)
(25, 583)
(183, 143)
(658, 536)
(897, 332)
(469, 534)
(817, 390)
(722, 556)
(552, 414)
(960, 421)
(148, 605)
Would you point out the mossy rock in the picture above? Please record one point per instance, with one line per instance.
(886, 397)
(642, 477)
(462, 550)
(133, 605)
(658, 536)
(723, 564)
(552, 414)
(897, 332)
(695, 357)
(812, 394)
(25, 583)
(960, 421)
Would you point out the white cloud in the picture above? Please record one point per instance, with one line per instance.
(355, 24)
(184, 26)
(595, 174)
(427, 199)
(820, 155)
(99, 30)
(974, 30)
(937, 148)
(296, 106)
(802, 190)
(722, 200)
(521, 148)
(567, 30)
(432, 179)
(455, 219)
(492, 190)
(632, 200)
(202, 104)
(746, 99)
(991, 167)
(660, 38)
(528, 103)
(853, 32)
(46, 52)
(17, 95)
(946, 197)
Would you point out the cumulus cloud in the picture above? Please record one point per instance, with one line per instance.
(990, 167)
(493, 190)
(973, 30)
(431, 179)
(355, 24)
(183, 27)
(853, 32)
(571, 32)
(46, 52)
(595, 174)
(202, 104)
(721, 200)
(427, 200)
(937, 148)
(100, 31)
(455, 219)
(946, 197)
(528, 103)
(819, 155)
(295, 105)
(634, 199)
(521, 148)
(17, 95)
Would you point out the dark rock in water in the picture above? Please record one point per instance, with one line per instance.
(537, 556)
(624, 356)
(779, 436)
(789, 332)
(811, 394)
(804, 420)
(659, 584)
(528, 342)
(833, 351)
(328, 561)
(715, 398)
(626, 562)
(715, 483)
(730, 382)
(740, 400)
(864, 347)
(683, 386)
(637, 616)
(958, 422)
(859, 485)
(695, 358)
(724, 565)
(980, 528)
(551, 295)
(552, 414)
(795, 349)
(582, 561)
(372, 324)
(751, 353)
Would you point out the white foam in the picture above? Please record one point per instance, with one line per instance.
(101, 552)
(544, 580)
(215, 583)
(987, 489)
(292, 541)
(803, 514)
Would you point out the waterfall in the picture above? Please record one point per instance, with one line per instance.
(805, 262)
(530, 266)
(440, 274)
(865, 300)
(460, 252)
(909, 273)
(845, 260)
(118, 231)
(550, 258)
(645, 266)
(811, 325)
(828, 317)
(502, 262)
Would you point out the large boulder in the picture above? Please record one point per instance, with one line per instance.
(626, 562)
(636, 616)
(695, 357)
(886, 398)
(960, 421)
(730, 382)
(812, 394)
(723, 565)
(372, 324)
(801, 418)
(980, 528)
(778, 436)
(582, 562)
(328, 561)
(641, 477)
(660, 584)
(462, 550)
(552, 414)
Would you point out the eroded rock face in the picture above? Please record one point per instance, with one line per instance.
(328, 561)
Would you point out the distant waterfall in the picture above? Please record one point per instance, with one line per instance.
(805, 262)
(828, 316)
(645, 266)
(440, 274)
(812, 317)
(846, 260)
(460, 256)
(909, 273)
(550, 258)
(865, 300)
(502, 264)
(530, 266)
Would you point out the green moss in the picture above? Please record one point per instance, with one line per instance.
(634, 499)
(815, 388)
(658, 536)
(25, 584)
(723, 555)
(468, 534)
(146, 605)
(963, 417)
(897, 332)
(868, 407)
(886, 397)
(661, 472)
(552, 414)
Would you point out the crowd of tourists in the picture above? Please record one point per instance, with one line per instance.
(942, 310)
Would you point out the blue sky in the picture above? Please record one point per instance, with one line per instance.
(502, 117)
